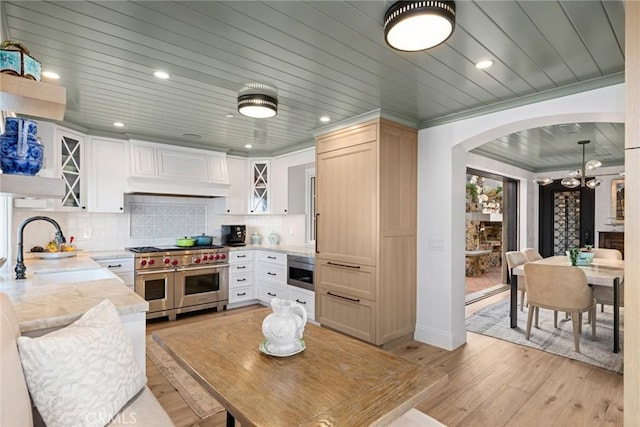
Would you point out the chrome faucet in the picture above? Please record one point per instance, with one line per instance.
(20, 267)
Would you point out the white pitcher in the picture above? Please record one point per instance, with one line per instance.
(284, 327)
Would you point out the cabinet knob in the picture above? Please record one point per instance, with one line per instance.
(228, 210)
(121, 208)
(83, 207)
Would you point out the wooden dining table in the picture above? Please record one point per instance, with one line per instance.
(335, 381)
(607, 274)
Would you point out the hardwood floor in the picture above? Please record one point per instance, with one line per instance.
(491, 383)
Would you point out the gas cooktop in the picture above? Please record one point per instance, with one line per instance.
(149, 249)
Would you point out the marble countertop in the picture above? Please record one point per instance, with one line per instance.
(300, 250)
(44, 306)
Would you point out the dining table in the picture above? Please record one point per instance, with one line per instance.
(335, 380)
(606, 274)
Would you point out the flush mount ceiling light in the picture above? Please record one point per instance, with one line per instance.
(163, 75)
(258, 100)
(484, 64)
(577, 177)
(418, 25)
(118, 124)
(51, 75)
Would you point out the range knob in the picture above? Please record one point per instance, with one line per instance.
(143, 262)
(166, 260)
(174, 262)
(197, 260)
(216, 256)
(223, 256)
(151, 262)
(205, 257)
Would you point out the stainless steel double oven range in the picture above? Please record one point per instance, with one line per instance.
(178, 280)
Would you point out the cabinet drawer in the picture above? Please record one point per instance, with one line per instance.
(240, 294)
(240, 279)
(267, 292)
(240, 267)
(353, 316)
(240, 256)
(117, 266)
(273, 273)
(305, 298)
(352, 279)
(273, 257)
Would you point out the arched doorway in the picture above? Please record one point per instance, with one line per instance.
(442, 157)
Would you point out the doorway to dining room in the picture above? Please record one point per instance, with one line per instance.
(490, 231)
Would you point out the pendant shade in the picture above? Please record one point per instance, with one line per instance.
(418, 25)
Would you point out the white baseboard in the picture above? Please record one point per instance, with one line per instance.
(438, 338)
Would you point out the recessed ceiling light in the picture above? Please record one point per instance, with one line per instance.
(118, 124)
(248, 146)
(229, 116)
(161, 74)
(485, 63)
(51, 75)
(191, 136)
(325, 119)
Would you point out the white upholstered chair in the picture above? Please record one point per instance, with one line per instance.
(531, 254)
(559, 288)
(606, 253)
(514, 259)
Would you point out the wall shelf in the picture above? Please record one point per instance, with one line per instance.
(25, 96)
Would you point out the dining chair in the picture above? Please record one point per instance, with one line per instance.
(606, 253)
(605, 296)
(531, 254)
(559, 288)
(514, 259)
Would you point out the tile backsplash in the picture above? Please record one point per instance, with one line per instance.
(167, 220)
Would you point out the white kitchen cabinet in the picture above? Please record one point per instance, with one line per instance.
(281, 195)
(70, 162)
(143, 160)
(106, 177)
(305, 298)
(271, 275)
(242, 290)
(260, 195)
(279, 185)
(121, 267)
(236, 202)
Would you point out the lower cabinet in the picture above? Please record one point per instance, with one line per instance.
(271, 275)
(347, 313)
(121, 267)
(242, 287)
(305, 298)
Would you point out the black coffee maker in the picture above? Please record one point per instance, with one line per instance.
(234, 235)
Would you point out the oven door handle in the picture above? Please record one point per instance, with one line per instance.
(204, 267)
(142, 273)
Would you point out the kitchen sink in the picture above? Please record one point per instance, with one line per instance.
(72, 276)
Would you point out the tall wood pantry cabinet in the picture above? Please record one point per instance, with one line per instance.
(366, 230)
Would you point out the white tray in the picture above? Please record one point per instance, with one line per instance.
(54, 255)
(300, 346)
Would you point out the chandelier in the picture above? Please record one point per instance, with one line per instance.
(578, 177)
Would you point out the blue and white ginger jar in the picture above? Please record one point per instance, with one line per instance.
(21, 153)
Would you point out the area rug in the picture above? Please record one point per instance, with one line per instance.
(493, 321)
(202, 403)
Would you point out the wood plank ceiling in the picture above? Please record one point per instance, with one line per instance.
(326, 58)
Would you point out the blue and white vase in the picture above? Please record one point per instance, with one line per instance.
(21, 153)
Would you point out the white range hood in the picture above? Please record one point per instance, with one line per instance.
(32, 186)
(175, 187)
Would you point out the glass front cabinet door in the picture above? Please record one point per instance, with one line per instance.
(70, 147)
(260, 202)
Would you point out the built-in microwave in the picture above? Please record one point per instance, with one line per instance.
(300, 271)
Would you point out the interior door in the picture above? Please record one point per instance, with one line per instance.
(567, 218)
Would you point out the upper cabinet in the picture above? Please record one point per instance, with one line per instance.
(287, 188)
(70, 156)
(106, 175)
(260, 196)
(236, 202)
